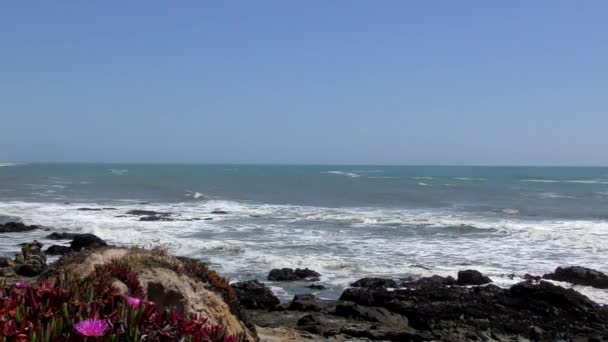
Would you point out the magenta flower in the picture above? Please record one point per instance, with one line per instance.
(134, 301)
(23, 284)
(92, 327)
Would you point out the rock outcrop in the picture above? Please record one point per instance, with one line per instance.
(579, 276)
(88, 241)
(472, 277)
(289, 274)
(254, 295)
(11, 227)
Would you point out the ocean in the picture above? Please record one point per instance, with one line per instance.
(345, 222)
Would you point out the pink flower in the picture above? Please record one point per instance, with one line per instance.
(92, 327)
(134, 301)
(23, 284)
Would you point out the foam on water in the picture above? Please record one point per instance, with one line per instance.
(577, 181)
(342, 173)
(343, 244)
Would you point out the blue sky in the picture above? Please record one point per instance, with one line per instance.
(379, 82)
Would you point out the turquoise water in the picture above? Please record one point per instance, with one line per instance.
(344, 221)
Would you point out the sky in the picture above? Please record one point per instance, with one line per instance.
(314, 82)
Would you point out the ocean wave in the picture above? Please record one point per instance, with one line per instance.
(195, 194)
(578, 181)
(9, 164)
(423, 178)
(469, 179)
(423, 184)
(510, 211)
(553, 195)
(343, 244)
(383, 177)
(349, 174)
(366, 171)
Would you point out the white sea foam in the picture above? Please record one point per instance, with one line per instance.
(8, 164)
(343, 244)
(385, 177)
(553, 195)
(118, 171)
(422, 178)
(423, 184)
(510, 211)
(469, 179)
(578, 181)
(349, 174)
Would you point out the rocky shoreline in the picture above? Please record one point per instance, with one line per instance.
(466, 308)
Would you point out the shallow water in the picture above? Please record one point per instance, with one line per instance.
(344, 221)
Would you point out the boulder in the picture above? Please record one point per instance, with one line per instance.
(61, 236)
(374, 282)
(139, 212)
(11, 227)
(579, 276)
(289, 274)
(430, 282)
(87, 241)
(309, 302)
(32, 261)
(316, 287)
(155, 218)
(219, 212)
(472, 277)
(370, 314)
(58, 250)
(254, 295)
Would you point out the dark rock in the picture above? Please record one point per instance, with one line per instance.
(32, 261)
(11, 227)
(208, 219)
(155, 218)
(138, 212)
(314, 323)
(6, 262)
(306, 273)
(579, 276)
(219, 212)
(109, 208)
(370, 314)
(472, 277)
(309, 302)
(369, 296)
(58, 250)
(254, 295)
(89, 209)
(316, 287)
(288, 274)
(430, 281)
(374, 282)
(531, 277)
(87, 241)
(61, 236)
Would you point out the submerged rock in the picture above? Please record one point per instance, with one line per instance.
(579, 276)
(472, 277)
(87, 241)
(316, 287)
(11, 227)
(219, 212)
(89, 209)
(155, 218)
(139, 212)
(254, 295)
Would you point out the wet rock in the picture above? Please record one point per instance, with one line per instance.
(579, 276)
(374, 282)
(219, 212)
(139, 212)
(155, 218)
(309, 302)
(254, 295)
(370, 314)
(314, 323)
(11, 227)
(6, 262)
(58, 250)
(208, 219)
(32, 261)
(89, 209)
(316, 287)
(289, 274)
(430, 281)
(530, 277)
(369, 296)
(472, 277)
(87, 241)
(61, 236)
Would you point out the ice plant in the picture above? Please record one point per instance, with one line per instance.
(23, 284)
(134, 301)
(92, 327)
